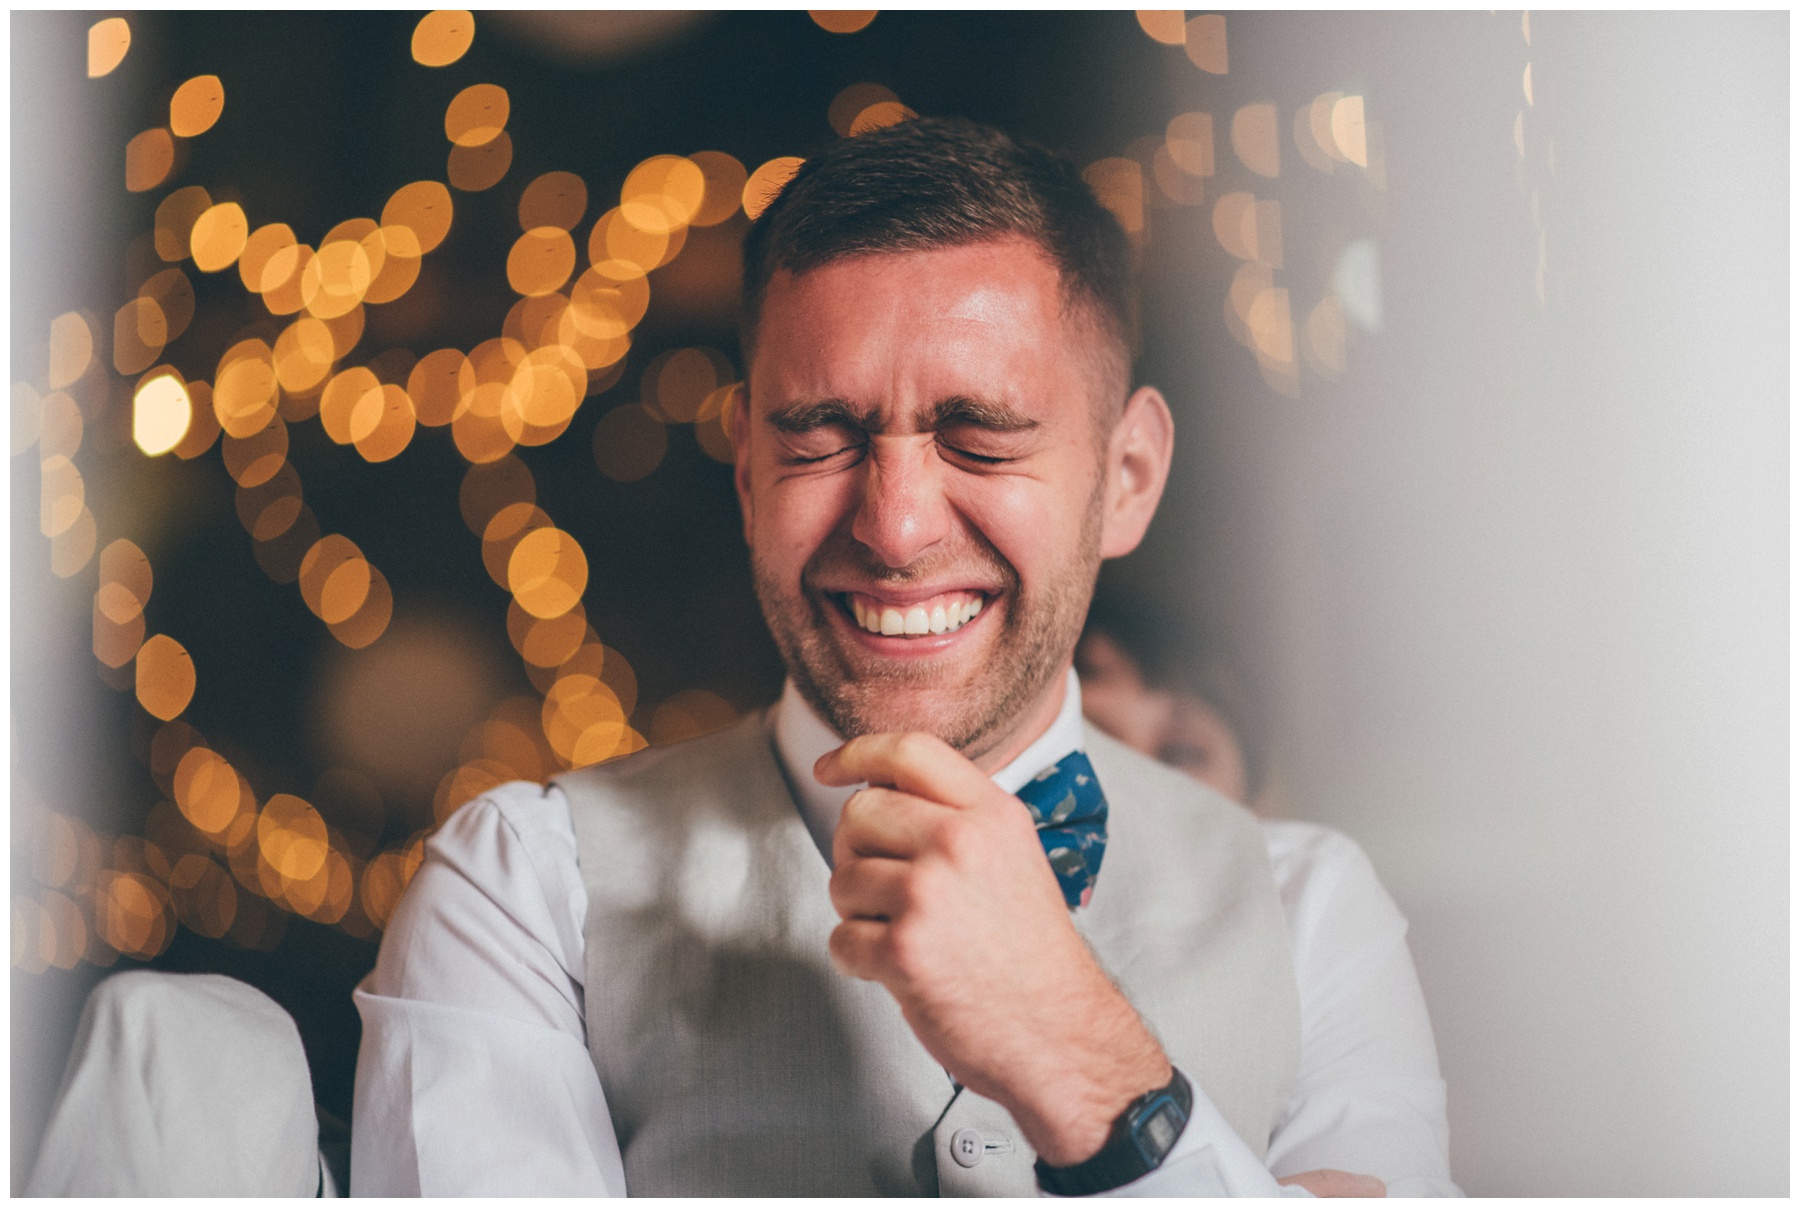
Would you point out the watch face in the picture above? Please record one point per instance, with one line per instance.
(1159, 1132)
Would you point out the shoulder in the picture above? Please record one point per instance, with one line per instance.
(497, 892)
(1323, 876)
(735, 762)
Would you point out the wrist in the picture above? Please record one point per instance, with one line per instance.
(1079, 1124)
(1137, 1143)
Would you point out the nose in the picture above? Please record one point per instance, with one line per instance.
(903, 511)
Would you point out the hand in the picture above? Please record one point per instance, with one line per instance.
(948, 902)
(1337, 1184)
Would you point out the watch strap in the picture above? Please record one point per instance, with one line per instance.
(1140, 1139)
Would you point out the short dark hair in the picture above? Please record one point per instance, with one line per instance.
(943, 182)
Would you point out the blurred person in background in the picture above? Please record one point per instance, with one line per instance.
(772, 961)
(1148, 680)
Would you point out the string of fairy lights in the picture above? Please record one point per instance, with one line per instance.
(212, 856)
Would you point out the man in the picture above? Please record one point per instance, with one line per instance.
(724, 968)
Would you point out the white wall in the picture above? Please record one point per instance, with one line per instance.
(1517, 583)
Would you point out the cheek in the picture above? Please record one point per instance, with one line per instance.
(1035, 523)
(793, 516)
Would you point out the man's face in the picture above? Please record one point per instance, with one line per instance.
(922, 473)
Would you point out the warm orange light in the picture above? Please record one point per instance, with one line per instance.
(244, 389)
(255, 459)
(382, 423)
(502, 534)
(555, 199)
(486, 489)
(662, 193)
(334, 578)
(71, 548)
(260, 247)
(149, 158)
(853, 100)
(62, 495)
(175, 219)
(1119, 184)
(195, 106)
(218, 237)
(160, 414)
(473, 169)
(165, 677)
(438, 385)
(616, 238)
(61, 426)
(71, 349)
(303, 355)
(173, 293)
(725, 178)
(270, 509)
(1189, 138)
(1168, 26)
(477, 115)
(107, 43)
(425, 206)
(540, 261)
(371, 618)
(1256, 137)
(842, 21)
(881, 113)
(207, 790)
(1206, 44)
(292, 836)
(442, 37)
(139, 332)
(767, 181)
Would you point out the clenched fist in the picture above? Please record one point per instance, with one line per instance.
(948, 902)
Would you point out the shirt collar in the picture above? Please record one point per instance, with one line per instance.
(802, 736)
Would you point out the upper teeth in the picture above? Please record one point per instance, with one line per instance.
(941, 617)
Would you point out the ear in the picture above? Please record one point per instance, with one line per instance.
(1137, 467)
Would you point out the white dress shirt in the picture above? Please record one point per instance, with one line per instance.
(474, 1075)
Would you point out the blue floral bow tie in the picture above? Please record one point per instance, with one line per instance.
(1070, 812)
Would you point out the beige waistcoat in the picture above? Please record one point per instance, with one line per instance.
(737, 1061)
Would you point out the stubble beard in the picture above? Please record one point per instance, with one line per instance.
(860, 695)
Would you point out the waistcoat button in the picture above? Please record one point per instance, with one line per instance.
(967, 1147)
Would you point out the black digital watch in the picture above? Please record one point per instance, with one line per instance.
(1141, 1138)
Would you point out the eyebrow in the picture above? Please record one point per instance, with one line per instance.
(960, 410)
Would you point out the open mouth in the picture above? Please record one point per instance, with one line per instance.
(940, 614)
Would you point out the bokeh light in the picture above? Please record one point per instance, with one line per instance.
(842, 21)
(1168, 26)
(767, 181)
(149, 158)
(107, 43)
(475, 168)
(195, 106)
(443, 37)
(1205, 42)
(165, 677)
(477, 115)
(161, 413)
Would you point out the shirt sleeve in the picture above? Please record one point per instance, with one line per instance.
(1368, 1098)
(474, 1075)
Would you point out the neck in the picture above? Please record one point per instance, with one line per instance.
(1030, 726)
